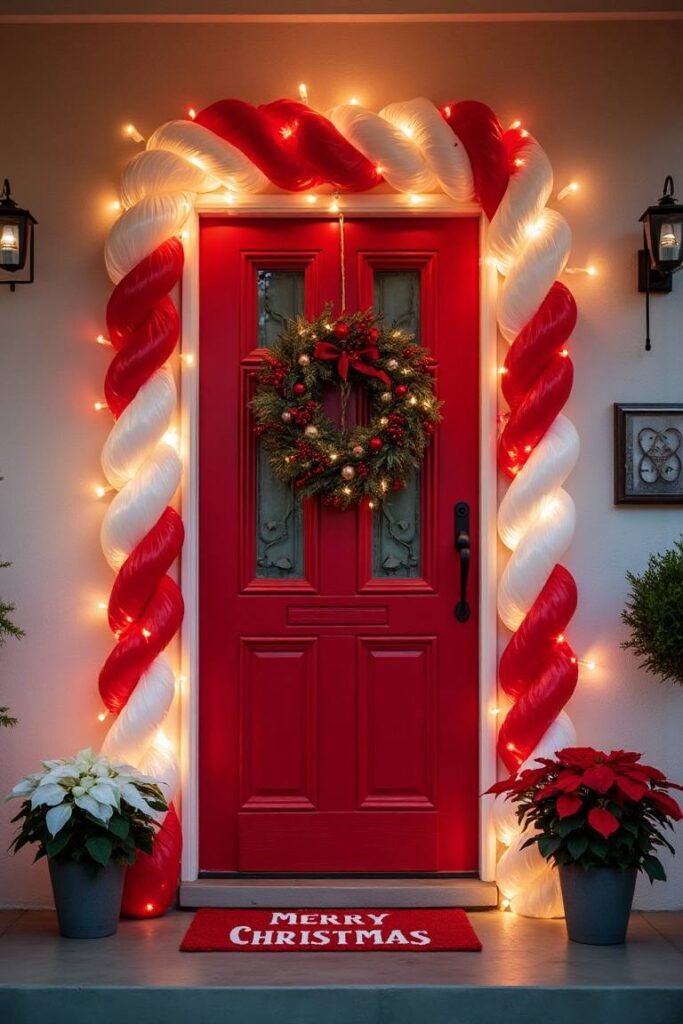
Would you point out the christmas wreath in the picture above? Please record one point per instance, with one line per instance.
(305, 447)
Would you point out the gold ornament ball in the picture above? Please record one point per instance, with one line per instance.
(311, 430)
(357, 450)
(304, 360)
(392, 364)
(286, 417)
(348, 472)
(386, 396)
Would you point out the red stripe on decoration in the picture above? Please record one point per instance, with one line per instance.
(146, 606)
(478, 129)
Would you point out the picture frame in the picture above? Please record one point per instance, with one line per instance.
(648, 453)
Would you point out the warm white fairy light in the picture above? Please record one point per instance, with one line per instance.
(407, 130)
(229, 197)
(191, 113)
(172, 437)
(414, 198)
(568, 190)
(101, 491)
(535, 227)
(502, 370)
(354, 102)
(115, 206)
(505, 904)
(187, 358)
(303, 93)
(131, 131)
(516, 124)
(590, 271)
(103, 715)
(311, 198)
(146, 633)
(520, 161)
(334, 205)
(101, 340)
(102, 605)
(99, 406)
(494, 711)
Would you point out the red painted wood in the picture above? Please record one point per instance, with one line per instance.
(338, 713)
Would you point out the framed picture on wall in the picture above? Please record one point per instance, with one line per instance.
(648, 454)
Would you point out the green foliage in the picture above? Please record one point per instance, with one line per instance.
(654, 614)
(7, 628)
(86, 839)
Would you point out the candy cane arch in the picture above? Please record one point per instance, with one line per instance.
(415, 148)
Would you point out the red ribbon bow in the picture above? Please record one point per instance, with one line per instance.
(359, 360)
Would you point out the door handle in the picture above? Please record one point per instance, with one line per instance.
(461, 523)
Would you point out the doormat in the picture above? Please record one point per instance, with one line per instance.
(279, 931)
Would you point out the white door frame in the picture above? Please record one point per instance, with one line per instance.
(298, 206)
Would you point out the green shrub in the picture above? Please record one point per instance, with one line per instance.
(654, 614)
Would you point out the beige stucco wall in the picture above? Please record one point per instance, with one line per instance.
(67, 90)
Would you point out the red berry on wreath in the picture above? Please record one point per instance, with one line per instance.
(401, 390)
(341, 330)
(299, 389)
(376, 443)
(398, 485)
(373, 334)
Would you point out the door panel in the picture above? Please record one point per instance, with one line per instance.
(338, 694)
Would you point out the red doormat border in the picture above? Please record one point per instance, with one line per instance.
(335, 930)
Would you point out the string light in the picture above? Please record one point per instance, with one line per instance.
(568, 190)
(407, 131)
(103, 715)
(102, 605)
(172, 438)
(564, 352)
(187, 358)
(590, 270)
(505, 905)
(379, 170)
(311, 198)
(347, 491)
(303, 93)
(519, 162)
(149, 907)
(502, 370)
(334, 205)
(590, 665)
(131, 131)
(191, 113)
(115, 206)
(516, 124)
(494, 711)
(414, 198)
(354, 102)
(286, 131)
(229, 197)
(146, 633)
(447, 111)
(101, 340)
(101, 491)
(535, 228)
(99, 406)
(559, 639)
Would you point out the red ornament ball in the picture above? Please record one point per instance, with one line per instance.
(376, 443)
(341, 330)
(299, 389)
(373, 334)
(401, 390)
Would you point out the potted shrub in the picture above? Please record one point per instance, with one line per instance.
(600, 819)
(653, 614)
(89, 817)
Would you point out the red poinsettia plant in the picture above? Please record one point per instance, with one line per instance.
(595, 809)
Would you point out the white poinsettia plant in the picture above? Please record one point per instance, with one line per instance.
(88, 809)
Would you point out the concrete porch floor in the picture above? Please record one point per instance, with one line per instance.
(528, 972)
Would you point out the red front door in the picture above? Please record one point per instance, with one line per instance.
(338, 693)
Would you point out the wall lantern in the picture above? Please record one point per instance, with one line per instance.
(16, 241)
(663, 255)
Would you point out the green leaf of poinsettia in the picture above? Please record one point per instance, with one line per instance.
(547, 845)
(577, 845)
(99, 848)
(654, 869)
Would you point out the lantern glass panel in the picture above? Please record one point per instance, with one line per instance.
(669, 240)
(11, 238)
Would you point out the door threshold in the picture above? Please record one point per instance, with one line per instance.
(470, 893)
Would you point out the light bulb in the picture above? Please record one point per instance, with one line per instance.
(572, 187)
(354, 102)
(101, 491)
(132, 133)
(303, 93)
(414, 199)
(229, 197)
(516, 124)
(187, 358)
(9, 241)
(502, 370)
(347, 491)
(564, 352)
(494, 711)
(559, 639)
(334, 206)
(505, 904)
(102, 605)
(590, 271)
(379, 170)
(115, 206)
(447, 111)
(102, 716)
(146, 633)
(99, 406)
(519, 162)
(191, 113)
(312, 199)
(407, 131)
(535, 228)
(286, 132)
(101, 340)
(172, 438)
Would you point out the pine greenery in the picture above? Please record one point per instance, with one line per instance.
(654, 614)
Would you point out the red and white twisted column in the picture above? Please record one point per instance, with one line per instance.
(415, 148)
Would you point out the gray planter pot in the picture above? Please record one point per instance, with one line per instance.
(597, 903)
(88, 902)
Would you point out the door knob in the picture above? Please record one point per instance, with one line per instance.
(461, 523)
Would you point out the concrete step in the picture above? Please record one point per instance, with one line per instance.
(469, 893)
